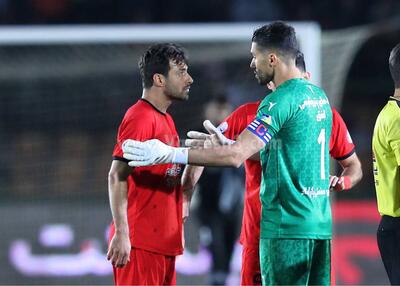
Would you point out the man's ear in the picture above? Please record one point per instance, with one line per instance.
(272, 59)
(158, 80)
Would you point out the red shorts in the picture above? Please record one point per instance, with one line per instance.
(251, 273)
(146, 268)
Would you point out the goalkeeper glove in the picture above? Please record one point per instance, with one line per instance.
(152, 152)
(213, 139)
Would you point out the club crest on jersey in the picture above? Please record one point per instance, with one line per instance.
(258, 128)
(173, 175)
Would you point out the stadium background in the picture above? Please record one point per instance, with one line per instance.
(60, 106)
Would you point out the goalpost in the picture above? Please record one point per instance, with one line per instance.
(309, 35)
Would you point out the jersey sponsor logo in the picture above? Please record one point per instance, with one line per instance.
(314, 103)
(173, 175)
(258, 128)
(271, 104)
(313, 193)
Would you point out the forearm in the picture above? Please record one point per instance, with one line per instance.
(118, 196)
(225, 156)
(354, 173)
(352, 169)
(190, 177)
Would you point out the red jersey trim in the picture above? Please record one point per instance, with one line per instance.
(117, 158)
(155, 108)
(346, 156)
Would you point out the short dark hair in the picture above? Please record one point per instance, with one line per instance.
(394, 65)
(156, 60)
(278, 36)
(300, 63)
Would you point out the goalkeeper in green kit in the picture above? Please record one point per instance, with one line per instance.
(290, 134)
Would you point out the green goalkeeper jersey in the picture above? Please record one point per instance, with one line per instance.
(295, 121)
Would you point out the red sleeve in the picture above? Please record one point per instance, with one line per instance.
(235, 123)
(135, 125)
(341, 145)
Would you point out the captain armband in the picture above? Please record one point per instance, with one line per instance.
(258, 128)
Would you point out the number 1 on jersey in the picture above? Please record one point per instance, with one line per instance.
(321, 140)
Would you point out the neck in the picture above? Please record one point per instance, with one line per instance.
(157, 98)
(397, 93)
(286, 73)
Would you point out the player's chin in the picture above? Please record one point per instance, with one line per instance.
(263, 81)
(183, 96)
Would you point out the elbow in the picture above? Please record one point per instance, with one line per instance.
(360, 176)
(236, 161)
(237, 164)
(113, 177)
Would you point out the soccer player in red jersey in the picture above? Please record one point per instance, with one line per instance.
(146, 202)
(341, 148)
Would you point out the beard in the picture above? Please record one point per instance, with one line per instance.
(175, 94)
(264, 79)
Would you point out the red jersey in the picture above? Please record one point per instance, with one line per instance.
(340, 147)
(154, 192)
(235, 124)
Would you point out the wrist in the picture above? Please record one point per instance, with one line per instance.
(121, 233)
(343, 183)
(123, 230)
(346, 183)
(180, 155)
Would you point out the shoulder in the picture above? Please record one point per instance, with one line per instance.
(336, 117)
(139, 111)
(247, 108)
(392, 117)
(291, 90)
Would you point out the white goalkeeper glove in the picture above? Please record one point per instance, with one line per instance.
(152, 152)
(213, 139)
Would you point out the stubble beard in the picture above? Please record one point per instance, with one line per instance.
(175, 95)
(265, 79)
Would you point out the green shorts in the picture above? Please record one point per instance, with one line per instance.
(295, 261)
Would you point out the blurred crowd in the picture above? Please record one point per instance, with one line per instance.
(330, 14)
